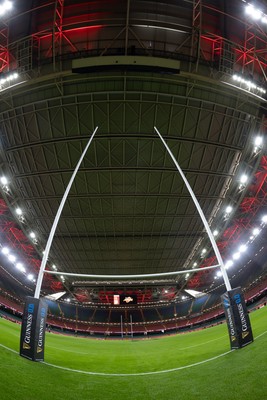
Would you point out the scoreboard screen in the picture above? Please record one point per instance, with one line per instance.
(124, 299)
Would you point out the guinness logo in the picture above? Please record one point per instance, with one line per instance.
(233, 338)
(26, 346)
(39, 349)
(244, 334)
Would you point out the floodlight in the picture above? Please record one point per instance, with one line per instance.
(256, 14)
(4, 180)
(20, 267)
(243, 179)
(11, 257)
(229, 209)
(258, 141)
(242, 248)
(236, 255)
(5, 250)
(219, 273)
(249, 9)
(30, 277)
(18, 211)
(215, 233)
(256, 231)
(264, 219)
(250, 85)
(229, 264)
(32, 235)
(6, 6)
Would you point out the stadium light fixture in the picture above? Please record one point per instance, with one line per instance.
(4, 184)
(160, 27)
(236, 255)
(242, 248)
(258, 142)
(8, 78)
(11, 258)
(243, 181)
(249, 85)
(229, 264)
(255, 13)
(215, 233)
(5, 250)
(18, 211)
(228, 210)
(33, 237)
(54, 267)
(20, 267)
(3, 180)
(30, 277)
(5, 7)
(255, 231)
(264, 219)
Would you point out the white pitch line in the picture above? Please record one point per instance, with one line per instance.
(137, 373)
(7, 348)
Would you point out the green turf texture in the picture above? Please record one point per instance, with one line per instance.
(240, 374)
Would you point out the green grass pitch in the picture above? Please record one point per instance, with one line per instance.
(196, 365)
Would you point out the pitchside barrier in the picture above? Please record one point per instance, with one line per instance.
(32, 337)
(237, 318)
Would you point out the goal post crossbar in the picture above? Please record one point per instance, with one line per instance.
(130, 276)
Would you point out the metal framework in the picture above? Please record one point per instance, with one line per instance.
(4, 54)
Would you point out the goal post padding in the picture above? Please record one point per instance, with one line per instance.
(32, 338)
(237, 318)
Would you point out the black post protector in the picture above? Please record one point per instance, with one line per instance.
(32, 338)
(237, 318)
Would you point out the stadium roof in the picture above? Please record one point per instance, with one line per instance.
(127, 66)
